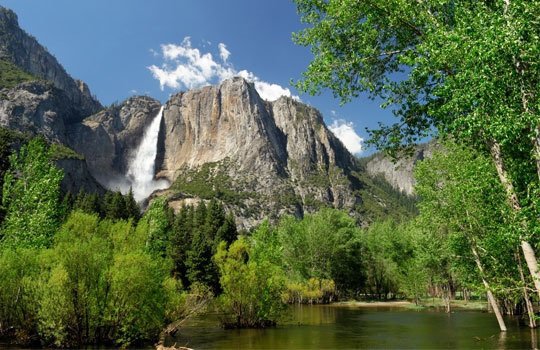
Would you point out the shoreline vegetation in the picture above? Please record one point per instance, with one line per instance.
(90, 270)
(476, 305)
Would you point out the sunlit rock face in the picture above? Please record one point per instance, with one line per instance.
(279, 157)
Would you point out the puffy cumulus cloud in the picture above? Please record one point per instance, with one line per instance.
(344, 131)
(187, 67)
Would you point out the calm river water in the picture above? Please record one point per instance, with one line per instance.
(338, 327)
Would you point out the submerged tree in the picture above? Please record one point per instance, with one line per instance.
(463, 204)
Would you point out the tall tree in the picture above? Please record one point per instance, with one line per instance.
(466, 68)
(31, 197)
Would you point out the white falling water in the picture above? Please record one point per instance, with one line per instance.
(141, 170)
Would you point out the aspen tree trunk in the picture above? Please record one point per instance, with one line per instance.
(511, 196)
(490, 296)
(530, 310)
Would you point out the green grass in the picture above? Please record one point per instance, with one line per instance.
(11, 75)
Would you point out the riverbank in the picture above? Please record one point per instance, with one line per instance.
(476, 305)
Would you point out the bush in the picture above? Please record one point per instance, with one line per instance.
(251, 289)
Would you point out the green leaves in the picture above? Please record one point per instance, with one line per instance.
(31, 197)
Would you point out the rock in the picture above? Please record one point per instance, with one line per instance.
(38, 108)
(109, 138)
(77, 177)
(24, 51)
(399, 173)
(262, 158)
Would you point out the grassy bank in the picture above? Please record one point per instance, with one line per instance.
(478, 305)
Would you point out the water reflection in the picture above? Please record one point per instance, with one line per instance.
(330, 327)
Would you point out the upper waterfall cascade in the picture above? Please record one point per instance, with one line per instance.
(141, 170)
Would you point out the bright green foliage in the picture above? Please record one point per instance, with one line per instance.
(98, 283)
(469, 68)
(156, 225)
(251, 288)
(324, 245)
(137, 297)
(31, 197)
(19, 272)
(463, 207)
(8, 138)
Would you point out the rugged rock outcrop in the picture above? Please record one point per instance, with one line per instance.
(273, 157)
(37, 108)
(24, 51)
(261, 159)
(400, 173)
(108, 139)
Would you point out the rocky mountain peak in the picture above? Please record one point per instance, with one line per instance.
(25, 52)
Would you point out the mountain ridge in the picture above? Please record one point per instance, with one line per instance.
(261, 159)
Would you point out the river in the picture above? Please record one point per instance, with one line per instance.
(338, 327)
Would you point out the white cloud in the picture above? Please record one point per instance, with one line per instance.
(344, 131)
(223, 52)
(186, 67)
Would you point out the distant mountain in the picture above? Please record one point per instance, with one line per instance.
(398, 173)
(261, 159)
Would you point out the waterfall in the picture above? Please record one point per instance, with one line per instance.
(141, 170)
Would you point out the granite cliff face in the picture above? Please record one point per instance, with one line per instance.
(400, 173)
(274, 156)
(25, 52)
(108, 138)
(261, 159)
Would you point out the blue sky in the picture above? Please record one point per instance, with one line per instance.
(123, 47)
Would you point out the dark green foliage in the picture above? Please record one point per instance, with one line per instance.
(60, 151)
(11, 75)
(87, 202)
(197, 232)
(111, 205)
(131, 206)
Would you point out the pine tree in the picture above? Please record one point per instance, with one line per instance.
(132, 209)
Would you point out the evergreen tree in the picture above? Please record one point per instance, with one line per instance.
(132, 209)
(181, 242)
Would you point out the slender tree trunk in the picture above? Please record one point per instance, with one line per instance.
(491, 298)
(534, 340)
(528, 252)
(530, 259)
(530, 310)
(536, 143)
